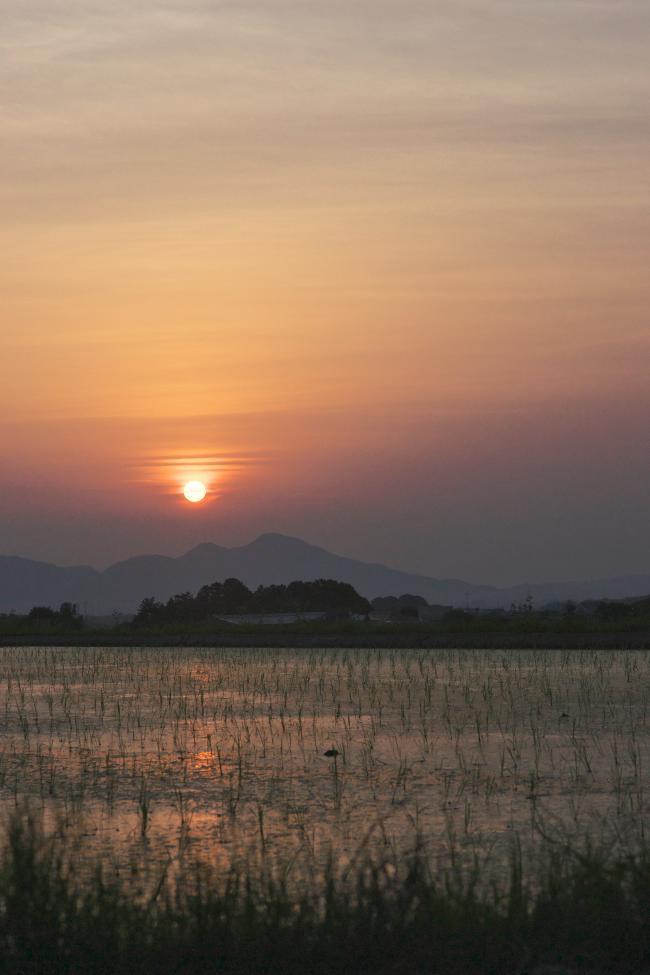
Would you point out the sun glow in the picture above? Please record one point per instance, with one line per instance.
(195, 491)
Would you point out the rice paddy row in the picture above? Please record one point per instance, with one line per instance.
(147, 758)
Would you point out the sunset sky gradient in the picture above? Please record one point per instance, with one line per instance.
(376, 270)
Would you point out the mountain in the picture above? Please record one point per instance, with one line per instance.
(271, 558)
(25, 583)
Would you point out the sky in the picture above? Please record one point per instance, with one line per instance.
(374, 270)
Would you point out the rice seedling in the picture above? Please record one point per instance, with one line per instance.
(208, 750)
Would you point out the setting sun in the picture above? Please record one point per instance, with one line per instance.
(195, 491)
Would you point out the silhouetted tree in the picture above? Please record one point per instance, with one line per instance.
(68, 612)
(66, 616)
(149, 612)
(232, 597)
(236, 596)
(42, 613)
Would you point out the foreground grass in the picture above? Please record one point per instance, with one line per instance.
(583, 911)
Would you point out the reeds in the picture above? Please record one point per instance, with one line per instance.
(579, 908)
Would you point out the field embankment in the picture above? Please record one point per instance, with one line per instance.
(396, 638)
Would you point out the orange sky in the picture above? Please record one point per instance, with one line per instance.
(333, 258)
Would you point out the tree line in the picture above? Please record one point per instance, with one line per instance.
(233, 597)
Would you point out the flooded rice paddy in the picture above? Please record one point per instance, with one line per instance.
(151, 758)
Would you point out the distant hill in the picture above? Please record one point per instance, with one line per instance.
(271, 558)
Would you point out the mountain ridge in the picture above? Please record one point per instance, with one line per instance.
(270, 558)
